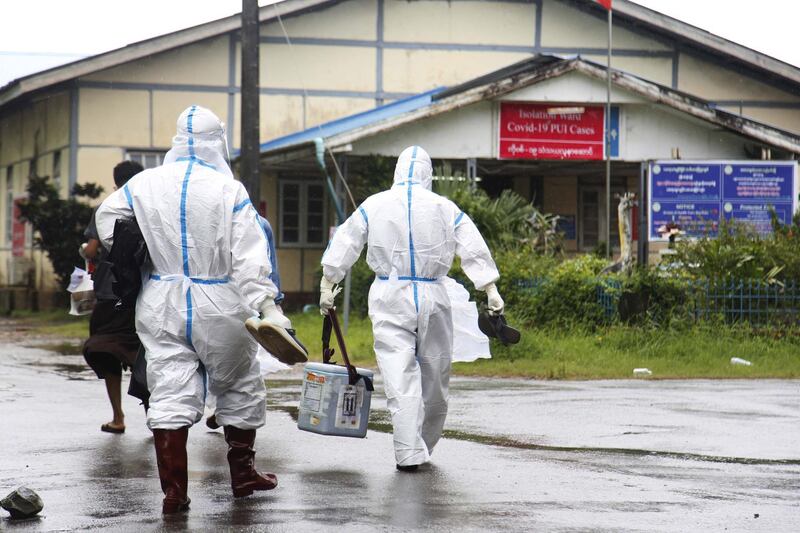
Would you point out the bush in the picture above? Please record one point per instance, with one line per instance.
(504, 222)
(569, 295)
(646, 296)
(738, 252)
(59, 223)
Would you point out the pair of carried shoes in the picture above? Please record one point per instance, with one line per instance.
(496, 327)
(274, 332)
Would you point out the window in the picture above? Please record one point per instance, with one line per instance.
(9, 203)
(57, 171)
(302, 213)
(148, 159)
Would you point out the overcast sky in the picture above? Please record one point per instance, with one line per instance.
(35, 35)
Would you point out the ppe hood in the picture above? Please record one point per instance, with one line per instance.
(200, 134)
(414, 165)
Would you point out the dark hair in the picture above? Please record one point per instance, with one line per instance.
(125, 171)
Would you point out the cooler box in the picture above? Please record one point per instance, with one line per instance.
(329, 405)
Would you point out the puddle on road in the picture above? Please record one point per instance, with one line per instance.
(72, 371)
(282, 397)
(62, 348)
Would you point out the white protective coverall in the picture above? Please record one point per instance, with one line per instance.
(412, 235)
(210, 273)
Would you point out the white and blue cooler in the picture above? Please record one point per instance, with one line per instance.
(329, 405)
(335, 399)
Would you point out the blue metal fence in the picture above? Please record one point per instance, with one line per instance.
(757, 302)
(753, 301)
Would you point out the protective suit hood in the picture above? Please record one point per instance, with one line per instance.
(200, 135)
(414, 165)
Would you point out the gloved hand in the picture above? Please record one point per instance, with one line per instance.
(327, 294)
(271, 313)
(82, 251)
(493, 300)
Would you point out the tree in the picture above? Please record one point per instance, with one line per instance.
(58, 223)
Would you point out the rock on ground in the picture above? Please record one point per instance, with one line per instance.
(22, 503)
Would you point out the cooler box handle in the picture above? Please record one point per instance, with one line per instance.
(331, 322)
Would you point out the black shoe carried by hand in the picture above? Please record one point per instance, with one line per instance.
(495, 326)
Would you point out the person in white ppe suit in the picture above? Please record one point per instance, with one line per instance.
(412, 236)
(209, 274)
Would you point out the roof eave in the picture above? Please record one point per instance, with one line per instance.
(490, 90)
(707, 40)
(695, 107)
(131, 52)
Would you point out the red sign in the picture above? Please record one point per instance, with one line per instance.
(551, 131)
(17, 231)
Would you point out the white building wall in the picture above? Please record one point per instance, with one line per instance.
(648, 131)
(459, 134)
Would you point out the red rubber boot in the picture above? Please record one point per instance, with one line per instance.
(241, 458)
(172, 468)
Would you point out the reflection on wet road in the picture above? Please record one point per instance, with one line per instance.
(517, 456)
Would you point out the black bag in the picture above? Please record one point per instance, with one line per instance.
(121, 274)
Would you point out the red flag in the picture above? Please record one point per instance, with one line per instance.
(605, 3)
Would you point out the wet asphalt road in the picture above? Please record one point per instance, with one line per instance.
(518, 456)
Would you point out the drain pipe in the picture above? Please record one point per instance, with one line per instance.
(319, 144)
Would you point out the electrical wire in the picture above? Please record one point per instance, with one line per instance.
(305, 94)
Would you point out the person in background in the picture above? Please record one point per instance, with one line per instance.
(112, 344)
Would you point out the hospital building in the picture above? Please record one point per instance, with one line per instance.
(510, 92)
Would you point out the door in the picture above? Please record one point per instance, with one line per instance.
(592, 217)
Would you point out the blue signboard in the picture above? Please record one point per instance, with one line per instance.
(759, 182)
(686, 182)
(693, 195)
(614, 131)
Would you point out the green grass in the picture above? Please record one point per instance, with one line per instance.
(609, 353)
(57, 323)
(358, 338)
(702, 351)
(699, 352)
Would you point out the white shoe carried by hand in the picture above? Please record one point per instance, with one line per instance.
(273, 330)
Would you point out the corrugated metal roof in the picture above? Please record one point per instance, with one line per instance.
(514, 77)
(352, 122)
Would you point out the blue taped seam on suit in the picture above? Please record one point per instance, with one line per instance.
(128, 196)
(201, 281)
(410, 236)
(241, 205)
(266, 238)
(364, 214)
(197, 160)
(189, 129)
(411, 278)
(458, 218)
(184, 239)
(189, 316)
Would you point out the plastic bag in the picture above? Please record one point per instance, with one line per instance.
(469, 344)
(81, 288)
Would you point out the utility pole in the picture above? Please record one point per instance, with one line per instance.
(608, 140)
(250, 154)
